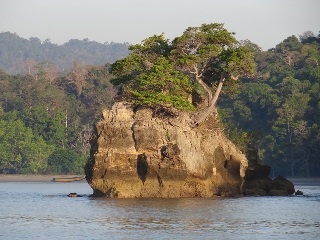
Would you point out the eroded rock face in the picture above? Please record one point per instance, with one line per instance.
(136, 154)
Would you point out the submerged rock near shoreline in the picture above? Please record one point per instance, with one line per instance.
(142, 153)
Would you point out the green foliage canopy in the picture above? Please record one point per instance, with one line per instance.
(160, 73)
(149, 77)
(39, 117)
(279, 112)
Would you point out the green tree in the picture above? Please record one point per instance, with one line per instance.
(211, 55)
(207, 54)
(63, 161)
(140, 59)
(150, 79)
(36, 153)
(38, 119)
(291, 43)
(57, 130)
(161, 86)
(99, 92)
(20, 150)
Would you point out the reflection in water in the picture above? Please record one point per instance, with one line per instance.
(43, 211)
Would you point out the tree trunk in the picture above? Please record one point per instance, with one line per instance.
(205, 86)
(292, 170)
(308, 169)
(206, 112)
(217, 93)
(289, 131)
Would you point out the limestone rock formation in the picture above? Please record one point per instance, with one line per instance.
(137, 153)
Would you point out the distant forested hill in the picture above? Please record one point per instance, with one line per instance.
(19, 55)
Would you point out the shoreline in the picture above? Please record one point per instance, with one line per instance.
(313, 181)
(49, 178)
(32, 177)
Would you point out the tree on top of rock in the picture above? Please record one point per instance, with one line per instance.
(210, 55)
(163, 73)
(149, 78)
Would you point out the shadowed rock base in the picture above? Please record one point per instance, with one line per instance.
(258, 183)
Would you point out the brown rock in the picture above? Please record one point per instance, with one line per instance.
(257, 181)
(281, 184)
(139, 154)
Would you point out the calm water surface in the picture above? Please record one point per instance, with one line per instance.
(43, 211)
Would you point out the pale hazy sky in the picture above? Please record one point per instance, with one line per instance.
(264, 22)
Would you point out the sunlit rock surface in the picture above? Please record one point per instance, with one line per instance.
(137, 154)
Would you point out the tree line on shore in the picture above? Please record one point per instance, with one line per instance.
(46, 115)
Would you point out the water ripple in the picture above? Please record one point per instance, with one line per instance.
(42, 211)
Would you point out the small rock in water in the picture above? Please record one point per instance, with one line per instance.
(299, 193)
(74, 195)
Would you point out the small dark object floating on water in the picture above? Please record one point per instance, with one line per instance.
(67, 179)
(298, 193)
(73, 195)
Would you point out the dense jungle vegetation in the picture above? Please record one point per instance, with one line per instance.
(278, 113)
(46, 120)
(47, 112)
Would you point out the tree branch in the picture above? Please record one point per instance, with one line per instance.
(205, 86)
(206, 112)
